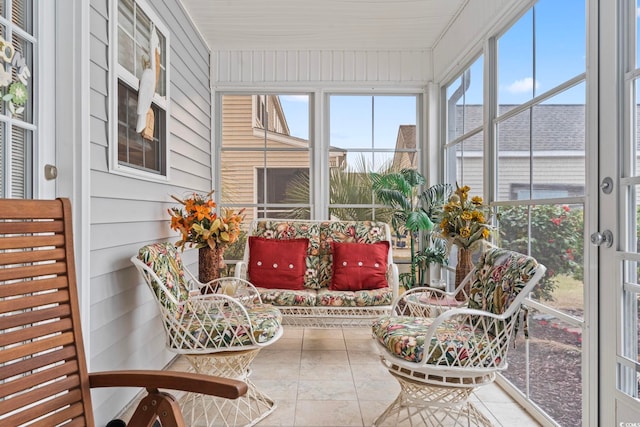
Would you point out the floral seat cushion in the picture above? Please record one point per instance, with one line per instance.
(287, 297)
(220, 329)
(364, 298)
(452, 344)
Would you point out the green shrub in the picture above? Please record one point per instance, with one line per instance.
(555, 239)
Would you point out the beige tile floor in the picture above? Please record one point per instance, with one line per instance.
(333, 377)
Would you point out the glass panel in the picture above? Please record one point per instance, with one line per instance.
(470, 163)
(296, 114)
(142, 37)
(635, 165)
(464, 102)
(629, 327)
(22, 14)
(514, 143)
(554, 346)
(558, 145)
(21, 161)
(268, 171)
(161, 87)
(126, 48)
(351, 184)
(637, 41)
(380, 122)
(25, 49)
(351, 121)
(515, 63)
(133, 149)
(394, 122)
(560, 42)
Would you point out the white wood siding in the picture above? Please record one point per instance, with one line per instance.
(127, 213)
(331, 66)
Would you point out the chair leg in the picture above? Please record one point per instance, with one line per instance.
(430, 405)
(157, 406)
(210, 411)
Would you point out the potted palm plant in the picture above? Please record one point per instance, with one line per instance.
(435, 249)
(401, 191)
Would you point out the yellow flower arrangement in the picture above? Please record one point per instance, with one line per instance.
(465, 221)
(200, 225)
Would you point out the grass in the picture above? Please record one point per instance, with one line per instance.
(568, 295)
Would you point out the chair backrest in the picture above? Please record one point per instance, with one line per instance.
(43, 372)
(502, 279)
(165, 274)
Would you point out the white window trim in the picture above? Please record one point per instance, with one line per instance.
(116, 71)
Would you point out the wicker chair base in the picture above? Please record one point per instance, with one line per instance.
(420, 404)
(208, 411)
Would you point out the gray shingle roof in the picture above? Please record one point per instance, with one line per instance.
(555, 127)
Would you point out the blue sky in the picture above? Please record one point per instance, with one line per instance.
(560, 55)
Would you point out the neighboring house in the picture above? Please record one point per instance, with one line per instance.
(556, 162)
(252, 174)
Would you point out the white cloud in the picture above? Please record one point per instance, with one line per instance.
(523, 85)
(294, 98)
(637, 11)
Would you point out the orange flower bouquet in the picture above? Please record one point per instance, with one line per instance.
(201, 226)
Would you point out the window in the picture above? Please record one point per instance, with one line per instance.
(368, 133)
(142, 76)
(17, 125)
(264, 163)
(464, 137)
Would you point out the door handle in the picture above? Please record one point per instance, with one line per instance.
(602, 239)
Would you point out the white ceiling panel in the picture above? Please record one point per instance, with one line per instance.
(323, 24)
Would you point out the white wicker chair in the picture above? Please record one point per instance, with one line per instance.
(439, 361)
(219, 334)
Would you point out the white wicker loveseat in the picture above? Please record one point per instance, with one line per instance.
(322, 273)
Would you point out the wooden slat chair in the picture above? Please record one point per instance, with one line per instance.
(439, 354)
(43, 375)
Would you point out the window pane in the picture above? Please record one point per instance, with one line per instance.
(22, 14)
(554, 346)
(126, 49)
(133, 149)
(394, 122)
(558, 145)
(635, 165)
(515, 63)
(514, 142)
(560, 42)
(555, 239)
(351, 121)
(464, 102)
(25, 49)
(265, 161)
(470, 163)
(637, 41)
(21, 161)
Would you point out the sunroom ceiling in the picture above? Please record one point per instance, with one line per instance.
(323, 24)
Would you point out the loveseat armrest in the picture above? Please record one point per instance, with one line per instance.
(241, 270)
(393, 278)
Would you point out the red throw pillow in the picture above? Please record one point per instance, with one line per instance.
(359, 266)
(277, 264)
